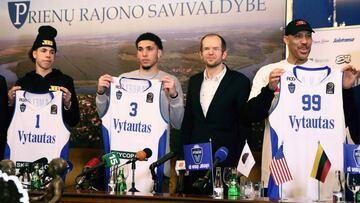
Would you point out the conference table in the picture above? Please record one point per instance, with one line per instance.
(104, 197)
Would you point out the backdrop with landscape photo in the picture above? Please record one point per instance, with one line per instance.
(97, 37)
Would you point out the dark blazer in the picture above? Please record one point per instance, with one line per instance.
(228, 119)
(3, 114)
(223, 123)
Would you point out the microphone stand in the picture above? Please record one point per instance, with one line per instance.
(154, 178)
(133, 167)
(180, 186)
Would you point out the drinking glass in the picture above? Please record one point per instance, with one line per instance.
(353, 183)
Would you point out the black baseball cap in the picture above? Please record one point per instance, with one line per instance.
(296, 26)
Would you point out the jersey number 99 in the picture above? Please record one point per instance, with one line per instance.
(311, 102)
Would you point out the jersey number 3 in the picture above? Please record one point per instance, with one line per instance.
(134, 107)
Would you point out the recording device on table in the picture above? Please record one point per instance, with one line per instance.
(90, 168)
(157, 163)
(203, 182)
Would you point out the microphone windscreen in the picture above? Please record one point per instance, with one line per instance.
(221, 154)
(148, 152)
(92, 162)
(141, 155)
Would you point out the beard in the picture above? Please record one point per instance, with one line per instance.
(146, 67)
(213, 65)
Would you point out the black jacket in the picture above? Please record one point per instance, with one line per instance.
(224, 117)
(227, 121)
(35, 83)
(3, 114)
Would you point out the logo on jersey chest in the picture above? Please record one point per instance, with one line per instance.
(22, 107)
(330, 88)
(291, 87)
(149, 97)
(290, 78)
(118, 95)
(53, 109)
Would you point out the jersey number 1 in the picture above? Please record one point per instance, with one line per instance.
(37, 121)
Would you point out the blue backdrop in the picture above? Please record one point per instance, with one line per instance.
(320, 13)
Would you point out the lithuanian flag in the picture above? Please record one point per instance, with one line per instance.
(321, 165)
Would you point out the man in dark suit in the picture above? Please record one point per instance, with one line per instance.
(215, 107)
(3, 114)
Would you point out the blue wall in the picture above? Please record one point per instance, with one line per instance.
(319, 13)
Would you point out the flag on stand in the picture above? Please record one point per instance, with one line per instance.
(279, 169)
(246, 161)
(321, 165)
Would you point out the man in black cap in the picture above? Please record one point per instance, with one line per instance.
(45, 77)
(298, 38)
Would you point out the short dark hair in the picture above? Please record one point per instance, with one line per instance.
(30, 55)
(149, 36)
(223, 43)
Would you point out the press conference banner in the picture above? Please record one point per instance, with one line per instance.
(97, 37)
(336, 47)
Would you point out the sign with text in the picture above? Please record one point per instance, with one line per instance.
(351, 158)
(198, 157)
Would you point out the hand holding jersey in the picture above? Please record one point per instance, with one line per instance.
(308, 110)
(37, 126)
(350, 76)
(139, 124)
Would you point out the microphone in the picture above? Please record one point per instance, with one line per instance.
(90, 164)
(157, 163)
(220, 156)
(42, 161)
(108, 160)
(162, 160)
(180, 169)
(141, 155)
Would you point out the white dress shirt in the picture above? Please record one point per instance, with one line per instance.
(208, 89)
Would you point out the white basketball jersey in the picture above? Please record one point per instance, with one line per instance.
(309, 109)
(37, 129)
(133, 122)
